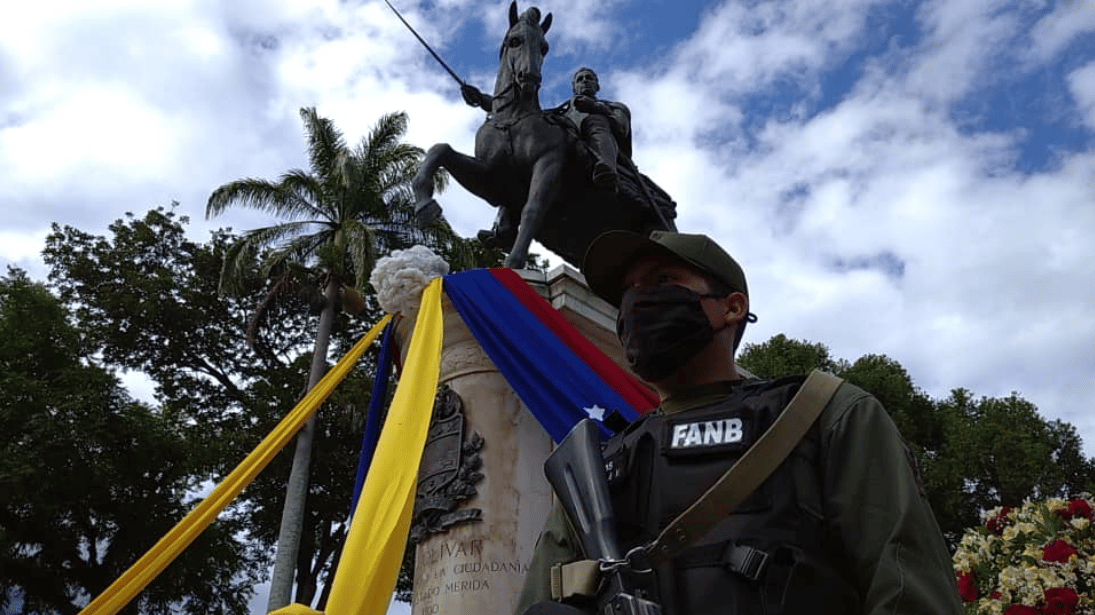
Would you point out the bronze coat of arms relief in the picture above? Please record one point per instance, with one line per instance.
(449, 471)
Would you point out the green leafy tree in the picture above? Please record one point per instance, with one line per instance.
(998, 452)
(349, 207)
(912, 409)
(148, 296)
(92, 479)
(781, 356)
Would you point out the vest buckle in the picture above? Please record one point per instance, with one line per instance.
(746, 561)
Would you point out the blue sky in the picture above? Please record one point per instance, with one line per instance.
(913, 178)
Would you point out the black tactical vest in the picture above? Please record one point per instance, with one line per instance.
(774, 554)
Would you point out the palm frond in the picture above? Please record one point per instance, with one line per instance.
(397, 237)
(383, 157)
(385, 136)
(239, 260)
(302, 249)
(352, 206)
(399, 201)
(399, 172)
(258, 194)
(272, 236)
(308, 192)
(241, 257)
(362, 245)
(325, 143)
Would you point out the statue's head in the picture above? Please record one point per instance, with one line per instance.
(585, 82)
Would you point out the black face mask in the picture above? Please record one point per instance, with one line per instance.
(661, 328)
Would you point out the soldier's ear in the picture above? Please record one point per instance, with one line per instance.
(737, 308)
(547, 24)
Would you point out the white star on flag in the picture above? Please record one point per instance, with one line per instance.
(595, 412)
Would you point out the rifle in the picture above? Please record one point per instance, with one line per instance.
(576, 472)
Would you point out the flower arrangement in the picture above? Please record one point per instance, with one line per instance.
(1038, 559)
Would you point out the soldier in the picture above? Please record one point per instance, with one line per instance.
(841, 526)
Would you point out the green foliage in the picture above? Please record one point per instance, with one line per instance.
(92, 479)
(780, 356)
(998, 452)
(226, 395)
(147, 297)
(911, 409)
(351, 206)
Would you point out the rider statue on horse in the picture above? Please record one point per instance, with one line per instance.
(560, 176)
(603, 126)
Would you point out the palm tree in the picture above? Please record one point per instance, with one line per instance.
(350, 206)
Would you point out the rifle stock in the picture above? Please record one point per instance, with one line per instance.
(576, 472)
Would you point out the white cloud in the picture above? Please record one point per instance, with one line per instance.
(1081, 83)
(745, 47)
(672, 106)
(101, 130)
(22, 249)
(961, 41)
(579, 26)
(1059, 28)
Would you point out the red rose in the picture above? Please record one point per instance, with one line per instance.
(1058, 551)
(1019, 609)
(995, 595)
(1079, 508)
(967, 587)
(997, 524)
(1060, 601)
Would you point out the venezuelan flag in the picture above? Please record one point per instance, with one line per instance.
(559, 374)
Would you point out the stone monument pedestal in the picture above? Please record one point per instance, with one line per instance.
(477, 564)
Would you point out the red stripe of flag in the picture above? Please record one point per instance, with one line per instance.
(627, 386)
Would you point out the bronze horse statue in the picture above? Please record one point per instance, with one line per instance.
(528, 164)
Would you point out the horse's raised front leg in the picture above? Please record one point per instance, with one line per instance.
(426, 208)
(469, 172)
(543, 188)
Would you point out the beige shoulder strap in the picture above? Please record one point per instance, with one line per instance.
(750, 471)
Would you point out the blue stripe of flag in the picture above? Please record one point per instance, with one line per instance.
(372, 421)
(555, 384)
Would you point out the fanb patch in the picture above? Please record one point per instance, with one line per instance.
(711, 434)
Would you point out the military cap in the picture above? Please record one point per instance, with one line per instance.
(609, 256)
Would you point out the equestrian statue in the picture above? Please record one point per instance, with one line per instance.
(561, 176)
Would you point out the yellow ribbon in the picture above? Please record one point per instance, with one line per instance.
(140, 574)
(367, 570)
(369, 565)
